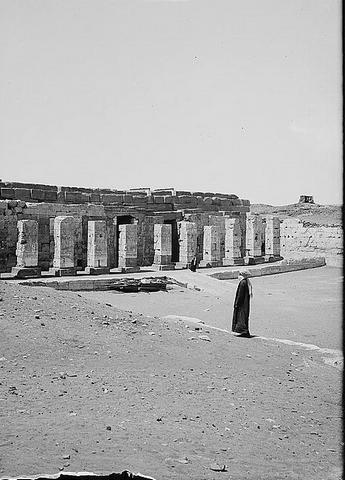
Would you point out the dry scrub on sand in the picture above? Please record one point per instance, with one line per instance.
(87, 387)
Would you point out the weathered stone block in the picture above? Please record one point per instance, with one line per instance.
(65, 234)
(128, 246)
(254, 234)
(187, 232)
(22, 194)
(74, 197)
(139, 199)
(184, 199)
(272, 236)
(163, 245)
(97, 270)
(50, 196)
(97, 244)
(27, 272)
(233, 242)
(211, 247)
(38, 195)
(108, 198)
(27, 245)
(7, 193)
(94, 198)
(128, 199)
(225, 203)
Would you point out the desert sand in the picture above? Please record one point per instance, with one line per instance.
(105, 382)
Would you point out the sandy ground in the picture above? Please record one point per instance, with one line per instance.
(87, 387)
(303, 306)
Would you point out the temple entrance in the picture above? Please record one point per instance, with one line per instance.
(175, 246)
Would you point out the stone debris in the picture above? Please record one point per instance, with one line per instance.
(205, 337)
(215, 467)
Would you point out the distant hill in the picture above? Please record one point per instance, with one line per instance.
(309, 213)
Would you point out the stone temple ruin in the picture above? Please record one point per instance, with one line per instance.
(63, 230)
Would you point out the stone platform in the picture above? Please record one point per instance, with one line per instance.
(183, 278)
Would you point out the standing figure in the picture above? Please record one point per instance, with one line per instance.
(193, 264)
(240, 319)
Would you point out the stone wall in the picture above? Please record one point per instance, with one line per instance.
(301, 240)
(154, 200)
(144, 207)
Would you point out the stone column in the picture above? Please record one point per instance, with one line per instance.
(211, 250)
(219, 221)
(66, 229)
(188, 243)
(27, 250)
(272, 238)
(253, 239)
(163, 247)
(97, 246)
(233, 239)
(128, 248)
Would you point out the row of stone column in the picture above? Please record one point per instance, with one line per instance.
(256, 235)
(68, 228)
(66, 231)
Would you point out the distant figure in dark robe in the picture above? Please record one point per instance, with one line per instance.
(193, 264)
(240, 319)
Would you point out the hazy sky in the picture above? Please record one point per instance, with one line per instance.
(229, 96)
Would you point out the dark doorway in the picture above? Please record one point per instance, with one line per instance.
(175, 246)
(125, 219)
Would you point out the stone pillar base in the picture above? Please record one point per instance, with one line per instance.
(97, 270)
(253, 260)
(63, 272)
(249, 260)
(259, 260)
(181, 265)
(156, 266)
(125, 269)
(26, 272)
(210, 263)
(228, 262)
(273, 258)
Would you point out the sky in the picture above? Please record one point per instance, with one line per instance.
(233, 96)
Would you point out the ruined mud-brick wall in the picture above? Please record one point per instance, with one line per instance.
(299, 239)
(145, 207)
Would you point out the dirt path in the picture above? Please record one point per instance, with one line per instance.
(87, 387)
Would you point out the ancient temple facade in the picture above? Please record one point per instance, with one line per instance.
(63, 230)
